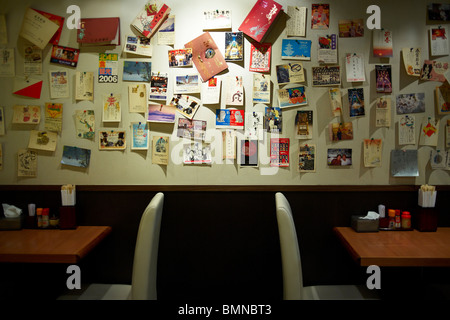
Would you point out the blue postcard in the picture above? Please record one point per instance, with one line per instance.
(296, 49)
(76, 157)
(137, 71)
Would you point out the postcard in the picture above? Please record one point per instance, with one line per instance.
(161, 113)
(7, 66)
(26, 163)
(37, 28)
(383, 75)
(185, 105)
(191, 129)
(273, 120)
(229, 144)
(56, 19)
(290, 73)
(340, 131)
(304, 124)
(32, 60)
(160, 150)
(140, 136)
(307, 158)
(260, 55)
(26, 114)
(138, 45)
(65, 56)
(108, 68)
(85, 124)
(433, 70)
(335, 101)
(327, 49)
(442, 95)
(43, 140)
(211, 91)
(234, 90)
(438, 12)
(339, 157)
(2, 121)
(412, 60)
(197, 153)
(99, 32)
(296, 24)
(84, 86)
(229, 118)
(351, 28)
(150, 18)
(3, 30)
(28, 86)
(279, 152)
(254, 125)
(180, 58)
(53, 116)
(59, 84)
(439, 41)
(291, 97)
(406, 130)
(410, 103)
(354, 66)
(404, 163)
(320, 16)
(158, 86)
(383, 112)
(112, 140)
(217, 19)
(166, 33)
(234, 46)
(356, 102)
(137, 98)
(248, 153)
(372, 152)
(430, 132)
(138, 71)
(438, 159)
(296, 49)
(326, 76)
(76, 157)
(187, 83)
(261, 88)
(382, 43)
(111, 108)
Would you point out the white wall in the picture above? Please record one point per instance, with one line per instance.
(407, 20)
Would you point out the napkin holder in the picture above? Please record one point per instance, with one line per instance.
(11, 223)
(359, 224)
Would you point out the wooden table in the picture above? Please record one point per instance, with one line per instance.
(397, 248)
(50, 246)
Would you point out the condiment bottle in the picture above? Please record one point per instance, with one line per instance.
(391, 213)
(39, 217)
(45, 218)
(398, 224)
(406, 220)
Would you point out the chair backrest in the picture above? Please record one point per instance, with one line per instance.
(290, 252)
(143, 282)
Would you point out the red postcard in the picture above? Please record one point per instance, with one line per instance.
(99, 31)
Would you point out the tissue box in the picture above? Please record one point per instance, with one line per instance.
(364, 225)
(11, 223)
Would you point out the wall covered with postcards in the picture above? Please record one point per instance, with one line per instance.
(222, 93)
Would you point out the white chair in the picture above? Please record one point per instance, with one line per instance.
(292, 267)
(143, 281)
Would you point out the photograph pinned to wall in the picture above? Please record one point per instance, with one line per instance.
(166, 33)
(438, 159)
(150, 17)
(65, 56)
(140, 139)
(84, 86)
(139, 71)
(2, 121)
(430, 132)
(439, 41)
(354, 66)
(248, 153)
(383, 75)
(279, 152)
(85, 124)
(160, 150)
(339, 157)
(410, 103)
(320, 16)
(187, 83)
(112, 108)
(372, 152)
(234, 90)
(351, 28)
(304, 124)
(290, 73)
(138, 45)
(404, 163)
(273, 119)
(296, 49)
(307, 158)
(228, 144)
(26, 114)
(230, 118)
(254, 125)
(7, 65)
(43, 140)
(326, 76)
(217, 19)
(327, 49)
(412, 60)
(442, 96)
(407, 130)
(438, 12)
(59, 84)
(53, 116)
(260, 56)
(338, 131)
(433, 70)
(161, 113)
(112, 140)
(32, 63)
(335, 101)
(356, 102)
(234, 46)
(137, 98)
(185, 105)
(382, 43)
(191, 129)
(180, 58)
(383, 112)
(158, 86)
(197, 153)
(26, 163)
(291, 97)
(76, 157)
(211, 90)
(296, 24)
(261, 88)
